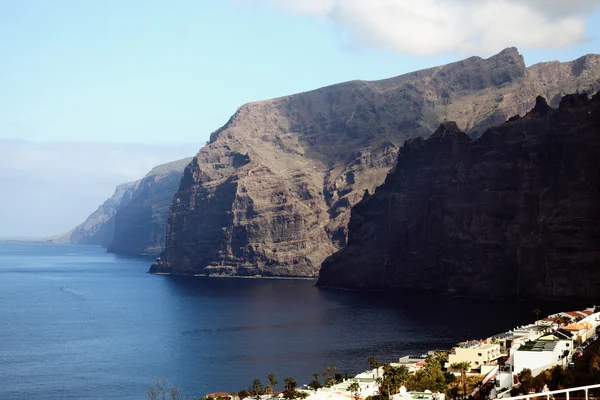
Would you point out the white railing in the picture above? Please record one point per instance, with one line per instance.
(551, 393)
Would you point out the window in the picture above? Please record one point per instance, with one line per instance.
(479, 354)
(476, 362)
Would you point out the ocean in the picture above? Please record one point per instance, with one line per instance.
(78, 323)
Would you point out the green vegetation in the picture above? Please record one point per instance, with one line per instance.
(331, 376)
(315, 384)
(431, 377)
(556, 378)
(354, 389)
(374, 364)
(257, 389)
(272, 383)
(463, 367)
(290, 392)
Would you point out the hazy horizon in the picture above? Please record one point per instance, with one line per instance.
(50, 187)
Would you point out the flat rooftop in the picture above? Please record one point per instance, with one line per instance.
(538, 345)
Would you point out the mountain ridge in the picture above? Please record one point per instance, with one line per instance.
(513, 213)
(271, 192)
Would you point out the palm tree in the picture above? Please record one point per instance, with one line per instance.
(563, 320)
(257, 389)
(354, 389)
(272, 383)
(316, 382)
(463, 366)
(374, 364)
(537, 312)
(290, 391)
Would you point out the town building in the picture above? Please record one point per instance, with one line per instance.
(477, 353)
(412, 362)
(541, 354)
(581, 330)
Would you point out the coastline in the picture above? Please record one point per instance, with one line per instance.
(298, 278)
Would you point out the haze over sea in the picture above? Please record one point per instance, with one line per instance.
(78, 323)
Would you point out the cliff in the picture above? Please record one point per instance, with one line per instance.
(99, 227)
(515, 213)
(140, 222)
(271, 193)
(132, 221)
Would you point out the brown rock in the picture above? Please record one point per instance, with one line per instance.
(515, 213)
(271, 193)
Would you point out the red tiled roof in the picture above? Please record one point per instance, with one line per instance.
(218, 394)
(573, 314)
(420, 364)
(588, 312)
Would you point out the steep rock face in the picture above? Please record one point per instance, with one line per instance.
(271, 193)
(99, 227)
(139, 223)
(133, 220)
(515, 213)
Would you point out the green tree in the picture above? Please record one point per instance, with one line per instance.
(290, 392)
(392, 379)
(463, 367)
(329, 376)
(354, 389)
(315, 384)
(537, 313)
(272, 383)
(257, 389)
(454, 392)
(334, 372)
(374, 364)
(527, 381)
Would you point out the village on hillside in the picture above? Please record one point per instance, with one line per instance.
(495, 367)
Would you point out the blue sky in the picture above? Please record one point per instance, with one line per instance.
(76, 76)
(172, 71)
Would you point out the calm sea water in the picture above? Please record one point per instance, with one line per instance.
(77, 323)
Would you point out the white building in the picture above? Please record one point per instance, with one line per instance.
(412, 362)
(477, 353)
(540, 355)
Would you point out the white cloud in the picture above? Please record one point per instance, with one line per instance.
(429, 27)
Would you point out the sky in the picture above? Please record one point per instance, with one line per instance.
(166, 73)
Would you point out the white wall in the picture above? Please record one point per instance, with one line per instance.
(537, 361)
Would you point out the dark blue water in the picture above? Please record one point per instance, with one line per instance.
(114, 328)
